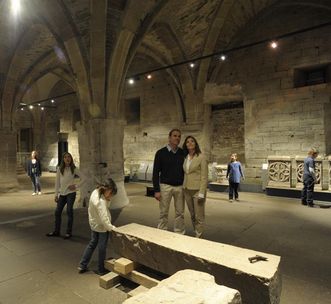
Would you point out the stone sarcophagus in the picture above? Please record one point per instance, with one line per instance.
(168, 252)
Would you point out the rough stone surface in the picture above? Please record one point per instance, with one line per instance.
(168, 252)
(188, 287)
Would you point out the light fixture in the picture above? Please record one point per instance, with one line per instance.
(15, 7)
(52, 101)
(42, 108)
(30, 107)
(273, 44)
(131, 81)
(38, 104)
(22, 109)
(149, 76)
(192, 65)
(223, 57)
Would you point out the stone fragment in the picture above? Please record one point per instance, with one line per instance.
(168, 252)
(187, 287)
(136, 291)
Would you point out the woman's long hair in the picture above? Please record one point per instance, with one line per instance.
(197, 150)
(108, 185)
(72, 164)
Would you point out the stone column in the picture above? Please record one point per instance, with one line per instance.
(325, 174)
(293, 173)
(62, 145)
(101, 155)
(8, 176)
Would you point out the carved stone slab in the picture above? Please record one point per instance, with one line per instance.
(187, 287)
(169, 252)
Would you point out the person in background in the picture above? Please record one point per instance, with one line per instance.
(168, 178)
(65, 194)
(309, 178)
(195, 183)
(234, 173)
(100, 223)
(34, 172)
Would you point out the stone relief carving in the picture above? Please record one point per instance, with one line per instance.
(279, 171)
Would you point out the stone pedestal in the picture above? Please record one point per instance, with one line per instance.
(168, 252)
(8, 164)
(101, 156)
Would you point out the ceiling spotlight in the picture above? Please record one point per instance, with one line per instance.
(52, 101)
(31, 107)
(38, 104)
(222, 57)
(273, 44)
(149, 76)
(15, 7)
(22, 109)
(192, 65)
(131, 81)
(42, 108)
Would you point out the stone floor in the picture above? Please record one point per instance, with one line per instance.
(36, 269)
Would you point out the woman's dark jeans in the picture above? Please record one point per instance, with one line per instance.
(99, 239)
(68, 199)
(35, 183)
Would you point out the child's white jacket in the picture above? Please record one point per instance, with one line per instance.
(98, 213)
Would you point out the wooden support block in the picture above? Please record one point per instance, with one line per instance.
(109, 280)
(134, 276)
(124, 266)
(137, 291)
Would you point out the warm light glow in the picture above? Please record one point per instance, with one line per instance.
(39, 104)
(192, 65)
(273, 44)
(223, 57)
(149, 76)
(52, 101)
(16, 7)
(22, 109)
(42, 108)
(31, 107)
(131, 81)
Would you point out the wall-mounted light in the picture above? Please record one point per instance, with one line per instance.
(273, 44)
(15, 7)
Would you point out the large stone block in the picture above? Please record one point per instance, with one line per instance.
(187, 287)
(169, 252)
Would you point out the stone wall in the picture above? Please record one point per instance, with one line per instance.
(158, 115)
(228, 135)
(279, 117)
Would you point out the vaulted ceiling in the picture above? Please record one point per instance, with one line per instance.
(34, 43)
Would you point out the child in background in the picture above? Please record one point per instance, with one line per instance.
(234, 174)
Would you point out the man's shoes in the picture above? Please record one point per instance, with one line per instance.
(231, 200)
(34, 193)
(67, 236)
(311, 205)
(237, 199)
(81, 269)
(39, 193)
(304, 203)
(53, 234)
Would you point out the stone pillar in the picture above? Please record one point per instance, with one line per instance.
(8, 176)
(101, 156)
(62, 145)
(325, 174)
(293, 173)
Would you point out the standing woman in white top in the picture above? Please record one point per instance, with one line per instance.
(65, 193)
(195, 183)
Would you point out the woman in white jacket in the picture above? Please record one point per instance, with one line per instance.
(100, 223)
